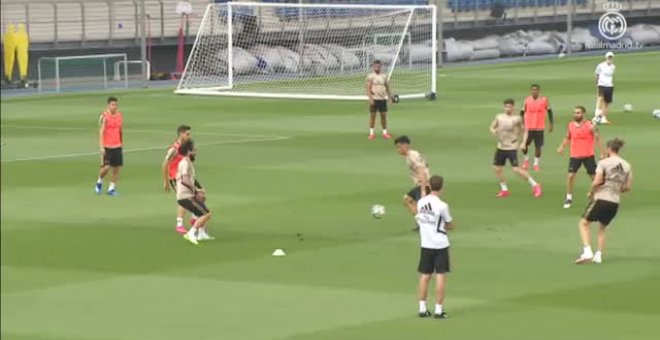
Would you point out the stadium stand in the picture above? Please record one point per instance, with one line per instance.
(88, 21)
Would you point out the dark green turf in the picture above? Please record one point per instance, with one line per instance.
(301, 175)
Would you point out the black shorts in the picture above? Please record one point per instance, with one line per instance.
(537, 136)
(113, 157)
(380, 105)
(601, 211)
(416, 192)
(195, 206)
(502, 155)
(607, 93)
(434, 261)
(589, 163)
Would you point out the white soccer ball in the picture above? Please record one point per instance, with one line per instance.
(561, 55)
(627, 108)
(597, 120)
(656, 113)
(377, 211)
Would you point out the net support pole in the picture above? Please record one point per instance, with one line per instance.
(438, 34)
(230, 44)
(105, 74)
(401, 41)
(569, 28)
(57, 74)
(143, 43)
(436, 53)
(301, 36)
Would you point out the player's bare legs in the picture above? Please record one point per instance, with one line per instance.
(536, 188)
(372, 124)
(537, 156)
(180, 214)
(499, 173)
(439, 293)
(200, 223)
(410, 204)
(383, 123)
(598, 256)
(114, 176)
(585, 235)
(424, 280)
(102, 173)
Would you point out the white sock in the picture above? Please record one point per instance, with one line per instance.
(384, 131)
(99, 181)
(532, 182)
(526, 158)
(587, 252)
(598, 112)
(112, 186)
(179, 222)
(569, 197)
(438, 309)
(422, 306)
(598, 254)
(536, 160)
(503, 186)
(371, 131)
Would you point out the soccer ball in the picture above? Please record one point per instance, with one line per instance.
(596, 120)
(627, 108)
(561, 55)
(656, 113)
(377, 211)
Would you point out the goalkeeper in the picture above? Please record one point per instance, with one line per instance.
(378, 91)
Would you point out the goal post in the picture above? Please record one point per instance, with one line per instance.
(311, 51)
(94, 71)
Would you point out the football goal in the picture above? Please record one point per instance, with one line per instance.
(94, 71)
(316, 51)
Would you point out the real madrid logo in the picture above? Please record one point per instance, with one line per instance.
(612, 25)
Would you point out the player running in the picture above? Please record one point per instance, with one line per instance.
(190, 197)
(169, 170)
(508, 127)
(535, 108)
(110, 142)
(378, 91)
(419, 172)
(613, 177)
(434, 220)
(582, 136)
(605, 82)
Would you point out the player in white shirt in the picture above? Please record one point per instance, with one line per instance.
(434, 220)
(605, 83)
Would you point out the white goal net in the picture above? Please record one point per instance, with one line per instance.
(311, 50)
(94, 71)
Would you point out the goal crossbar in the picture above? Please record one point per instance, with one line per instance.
(348, 6)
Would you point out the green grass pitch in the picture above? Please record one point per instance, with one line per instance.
(76, 266)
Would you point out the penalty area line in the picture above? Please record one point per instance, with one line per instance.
(85, 154)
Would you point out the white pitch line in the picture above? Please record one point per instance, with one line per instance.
(72, 155)
(95, 129)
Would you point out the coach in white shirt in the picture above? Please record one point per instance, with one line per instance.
(434, 220)
(605, 82)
